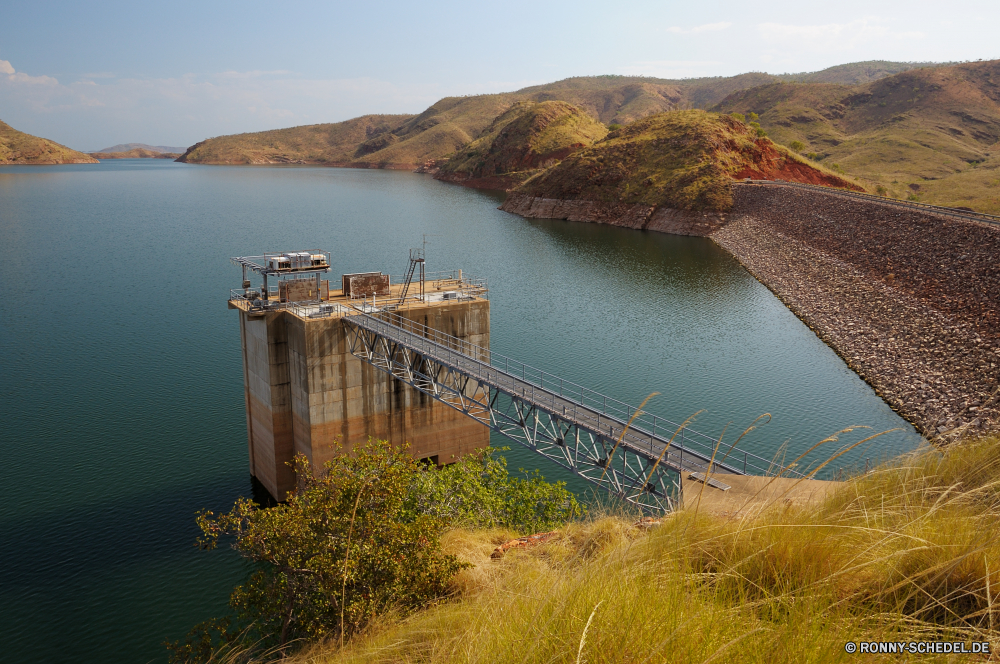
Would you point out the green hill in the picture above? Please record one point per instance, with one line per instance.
(928, 134)
(405, 141)
(16, 147)
(523, 139)
(682, 159)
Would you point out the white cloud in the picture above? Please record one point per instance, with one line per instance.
(21, 77)
(184, 109)
(832, 37)
(5, 67)
(708, 27)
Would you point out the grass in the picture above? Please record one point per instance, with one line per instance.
(682, 159)
(930, 127)
(909, 552)
(526, 137)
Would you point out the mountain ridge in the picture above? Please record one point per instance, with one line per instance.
(453, 122)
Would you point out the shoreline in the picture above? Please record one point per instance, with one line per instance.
(907, 298)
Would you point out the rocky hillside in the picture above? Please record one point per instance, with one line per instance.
(527, 137)
(927, 134)
(16, 147)
(404, 141)
(682, 160)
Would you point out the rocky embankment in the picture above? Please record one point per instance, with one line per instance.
(908, 298)
(626, 215)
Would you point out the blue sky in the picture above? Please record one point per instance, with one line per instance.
(90, 75)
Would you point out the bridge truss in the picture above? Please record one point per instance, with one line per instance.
(627, 452)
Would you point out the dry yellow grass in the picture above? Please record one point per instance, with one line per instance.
(908, 552)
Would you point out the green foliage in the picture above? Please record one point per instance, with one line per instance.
(347, 546)
(753, 117)
(357, 540)
(798, 146)
(614, 126)
(478, 492)
(738, 116)
(881, 190)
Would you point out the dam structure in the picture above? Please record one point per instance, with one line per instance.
(305, 392)
(410, 362)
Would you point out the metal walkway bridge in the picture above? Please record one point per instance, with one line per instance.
(609, 443)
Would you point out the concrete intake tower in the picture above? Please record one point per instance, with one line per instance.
(304, 390)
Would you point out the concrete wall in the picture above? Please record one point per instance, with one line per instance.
(305, 393)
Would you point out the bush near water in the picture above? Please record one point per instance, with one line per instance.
(908, 552)
(357, 540)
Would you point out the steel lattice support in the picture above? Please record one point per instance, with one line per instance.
(643, 478)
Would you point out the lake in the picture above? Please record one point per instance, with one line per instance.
(121, 376)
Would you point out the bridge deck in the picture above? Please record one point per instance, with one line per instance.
(653, 446)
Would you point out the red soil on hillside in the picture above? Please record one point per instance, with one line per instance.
(772, 165)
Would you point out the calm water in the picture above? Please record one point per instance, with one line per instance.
(122, 404)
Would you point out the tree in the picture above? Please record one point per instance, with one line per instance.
(346, 546)
(798, 146)
(356, 540)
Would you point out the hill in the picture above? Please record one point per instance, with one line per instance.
(329, 144)
(136, 153)
(16, 147)
(928, 134)
(127, 147)
(682, 160)
(856, 73)
(527, 137)
(406, 141)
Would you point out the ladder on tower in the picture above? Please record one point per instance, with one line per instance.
(416, 258)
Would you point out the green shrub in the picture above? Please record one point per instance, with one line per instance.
(798, 146)
(478, 492)
(355, 541)
(739, 116)
(614, 127)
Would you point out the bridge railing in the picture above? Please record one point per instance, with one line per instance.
(640, 422)
(936, 209)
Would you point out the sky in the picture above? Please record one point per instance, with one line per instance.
(93, 74)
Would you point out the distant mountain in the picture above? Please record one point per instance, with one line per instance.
(408, 141)
(136, 153)
(16, 147)
(127, 147)
(929, 134)
(857, 73)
